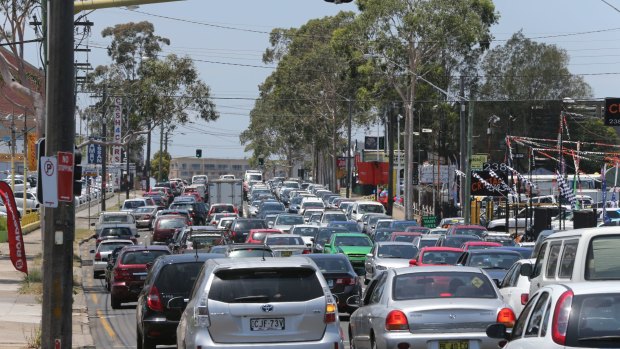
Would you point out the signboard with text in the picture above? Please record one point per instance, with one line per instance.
(479, 189)
(612, 111)
(49, 181)
(65, 176)
(118, 124)
(477, 161)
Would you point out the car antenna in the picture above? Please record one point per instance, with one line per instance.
(265, 247)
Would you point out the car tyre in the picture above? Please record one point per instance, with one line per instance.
(351, 341)
(115, 303)
(145, 343)
(373, 343)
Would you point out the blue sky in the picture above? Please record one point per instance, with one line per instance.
(587, 29)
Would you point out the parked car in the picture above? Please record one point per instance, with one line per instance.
(563, 316)
(145, 216)
(515, 288)
(341, 278)
(260, 302)
(432, 307)
(163, 298)
(102, 252)
(387, 255)
(130, 271)
(165, 226)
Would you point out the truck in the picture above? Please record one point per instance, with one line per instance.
(226, 191)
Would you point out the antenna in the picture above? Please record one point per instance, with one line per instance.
(264, 248)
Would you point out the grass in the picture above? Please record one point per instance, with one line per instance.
(82, 233)
(33, 282)
(33, 340)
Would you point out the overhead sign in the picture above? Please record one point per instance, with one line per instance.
(612, 111)
(477, 161)
(118, 124)
(49, 176)
(65, 176)
(95, 154)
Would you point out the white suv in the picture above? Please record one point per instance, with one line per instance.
(362, 207)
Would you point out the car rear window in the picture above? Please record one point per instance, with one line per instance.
(397, 251)
(144, 210)
(141, 257)
(442, 285)
(333, 265)
(223, 208)
(594, 321)
(253, 224)
(116, 219)
(265, 285)
(441, 257)
(134, 204)
(603, 260)
(107, 232)
(305, 231)
(352, 241)
(111, 246)
(458, 241)
(204, 241)
(334, 217)
(172, 223)
(290, 220)
(494, 260)
(283, 240)
(468, 231)
(311, 204)
(178, 278)
(187, 206)
(404, 238)
(370, 209)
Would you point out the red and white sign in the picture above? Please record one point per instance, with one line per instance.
(65, 176)
(118, 126)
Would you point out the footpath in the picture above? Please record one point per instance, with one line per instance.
(20, 314)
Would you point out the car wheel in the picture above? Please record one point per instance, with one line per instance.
(146, 343)
(115, 303)
(351, 341)
(373, 344)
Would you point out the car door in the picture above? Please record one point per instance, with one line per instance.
(370, 311)
(507, 286)
(531, 329)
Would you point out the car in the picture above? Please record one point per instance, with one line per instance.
(387, 255)
(257, 236)
(284, 221)
(144, 216)
(436, 256)
(431, 307)
(503, 238)
(361, 207)
(332, 216)
(403, 225)
(216, 218)
(130, 205)
(494, 261)
(168, 212)
(115, 219)
(456, 240)
(130, 271)
(382, 234)
(323, 236)
(350, 226)
(462, 229)
(563, 316)
(221, 208)
(253, 208)
(163, 298)
(240, 228)
(311, 203)
(256, 302)
(425, 241)
(417, 229)
(341, 278)
(102, 252)
(525, 252)
(197, 213)
(479, 245)
(286, 245)
(197, 240)
(448, 222)
(110, 266)
(310, 212)
(354, 245)
(165, 226)
(226, 222)
(307, 233)
(116, 233)
(377, 221)
(404, 236)
(515, 288)
(178, 242)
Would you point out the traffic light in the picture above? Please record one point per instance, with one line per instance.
(261, 162)
(199, 153)
(77, 173)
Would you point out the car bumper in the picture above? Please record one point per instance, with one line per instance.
(125, 291)
(160, 330)
(99, 267)
(331, 339)
(477, 340)
(143, 223)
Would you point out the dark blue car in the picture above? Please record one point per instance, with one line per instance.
(350, 226)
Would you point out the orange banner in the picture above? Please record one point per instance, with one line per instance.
(32, 152)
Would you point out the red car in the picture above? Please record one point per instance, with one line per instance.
(165, 226)
(479, 245)
(436, 256)
(221, 208)
(477, 230)
(257, 236)
(403, 236)
(130, 270)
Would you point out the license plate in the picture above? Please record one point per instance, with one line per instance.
(273, 324)
(330, 283)
(453, 344)
(286, 253)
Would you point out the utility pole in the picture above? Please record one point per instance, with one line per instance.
(147, 165)
(59, 223)
(463, 147)
(470, 128)
(349, 169)
(13, 140)
(391, 133)
(104, 148)
(161, 148)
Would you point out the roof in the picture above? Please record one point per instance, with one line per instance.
(257, 262)
(351, 234)
(440, 248)
(186, 258)
(369, 202)
(598, 287)
(586, 231)
(439, 268)
(115, 213)
(494, 250)
(391, 243)
(144, 247)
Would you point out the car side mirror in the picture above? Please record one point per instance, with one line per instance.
(526, 270)
(177, 303)
(369, 255)
(354, 301)
(149, 265)
(497, 331)
(413, 262)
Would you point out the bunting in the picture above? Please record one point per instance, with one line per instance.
(565, 190)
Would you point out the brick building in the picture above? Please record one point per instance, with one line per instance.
(186, 167)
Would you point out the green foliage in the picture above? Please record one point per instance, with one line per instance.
(164, 157)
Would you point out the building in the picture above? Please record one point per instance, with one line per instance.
(186, 167)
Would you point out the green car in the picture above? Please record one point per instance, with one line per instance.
(355, 245)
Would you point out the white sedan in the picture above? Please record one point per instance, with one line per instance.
(515, 288)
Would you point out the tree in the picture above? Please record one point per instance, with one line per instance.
(164, 158)
(409, 36)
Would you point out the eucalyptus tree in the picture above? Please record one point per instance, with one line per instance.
(409, 37)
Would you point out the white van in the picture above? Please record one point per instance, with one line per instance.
(200, 179)
(589, 254)
(361, 207)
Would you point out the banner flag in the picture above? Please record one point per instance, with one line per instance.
(16, 242)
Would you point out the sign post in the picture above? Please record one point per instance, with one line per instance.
(49, 177)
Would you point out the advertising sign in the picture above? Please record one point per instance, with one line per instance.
(612, 111)
(31, 151)
(477, 161)
(95, 154)
(494, 187)
(118, 122)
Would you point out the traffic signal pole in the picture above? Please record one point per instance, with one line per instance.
(59, 223)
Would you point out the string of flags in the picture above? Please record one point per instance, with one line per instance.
(486, 184)
(503, 184)
(565, 190)
(522, 178)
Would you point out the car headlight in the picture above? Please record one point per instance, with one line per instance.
(381, 267)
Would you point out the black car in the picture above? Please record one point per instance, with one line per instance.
(340, 276)
(494, 261)
(323, 235)
(197, 213)
(162, 299)
(240, 228)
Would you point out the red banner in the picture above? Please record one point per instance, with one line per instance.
(16, 242)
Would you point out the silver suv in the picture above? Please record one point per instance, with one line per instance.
(279, 303)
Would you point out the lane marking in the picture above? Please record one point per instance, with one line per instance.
(106, 325)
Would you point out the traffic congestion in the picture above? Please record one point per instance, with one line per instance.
(289, 263)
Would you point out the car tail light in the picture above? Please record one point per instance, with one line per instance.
(396, 320)
(345, 281)
(121, 274)
(560, 317)
(524, 298)
(146, 216)
(201, 313)
(330, 313)
(98, 256)
(306, 251)
(153, 300)
(507, 317)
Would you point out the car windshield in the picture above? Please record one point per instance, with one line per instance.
(204, 241)
(370, 208)
(108, 232)
(428, 285)
(334, 217)
(304, 231)
(223, 208)
(401, 226)
(142, 257)
(602, 260)
(117, 219)
(290, 220)
(172, 223)
(273, 206)
(256, 177)
(441, 257)
(313, 204)
(493, 260)
(283, 240)
(111, 246)
(352, 241)
(264, 285)
(397, 251)
(133, 204)
(428, 242)
(383, 224)
(333, 265)
(178, 278)
(352, 226)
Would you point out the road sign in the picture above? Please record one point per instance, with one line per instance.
(49, 176)
(477, 161)
(95, 153)
(65, 176)
(612, 111)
